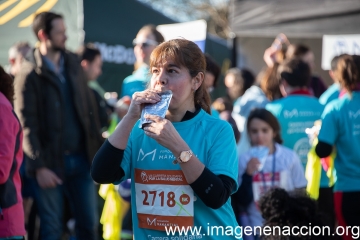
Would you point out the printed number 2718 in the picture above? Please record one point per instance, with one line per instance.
(170, 198)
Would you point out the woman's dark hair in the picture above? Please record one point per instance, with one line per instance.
(248, 78)
(280, 208)
(295, 72)
(6, 85)
(43, 21)
(88, 52)
(269, 118)
(296, 51)
(212, 67)
(184, 53)
(151, 28)
(348, 72)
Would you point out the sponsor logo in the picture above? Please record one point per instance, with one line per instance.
(151, 222)
(354, 115)
(116, 53)
(144, 177)
(290, 114)
(142, 155)
(296, 113)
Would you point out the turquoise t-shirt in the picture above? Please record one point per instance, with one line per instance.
(215, 113)
(295, 113)
(163, 198)
(136, 82)
(341, 128)
(330, 94)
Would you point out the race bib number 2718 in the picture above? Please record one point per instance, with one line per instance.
(163, 199)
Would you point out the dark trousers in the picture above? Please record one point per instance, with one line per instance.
(78, 187)
(347, 208)
(326, 206)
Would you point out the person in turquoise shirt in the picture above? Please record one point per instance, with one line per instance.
(330, 94)
(144, 43)
(184, 166)
(296, 111)
(333, 91)
(136, 82)
(341, 129)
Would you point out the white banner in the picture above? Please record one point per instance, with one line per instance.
(334, 45)
(194, 31)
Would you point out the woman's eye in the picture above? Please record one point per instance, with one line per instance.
(155, 71)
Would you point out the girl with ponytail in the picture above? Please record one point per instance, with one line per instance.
(341, 129)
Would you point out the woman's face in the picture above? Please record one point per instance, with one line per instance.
(234, 88)
(229, 80)
(260, 133)
(171, 76)
(145, 43)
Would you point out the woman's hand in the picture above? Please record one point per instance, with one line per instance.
(138, 101)
(163, 131)
(252, 166)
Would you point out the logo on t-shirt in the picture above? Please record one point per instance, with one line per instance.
(354, 115)
(296, 113)
(290, 114)
(142, 155)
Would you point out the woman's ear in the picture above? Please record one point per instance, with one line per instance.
(197, 81)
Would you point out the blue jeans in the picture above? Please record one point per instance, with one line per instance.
(79, 189)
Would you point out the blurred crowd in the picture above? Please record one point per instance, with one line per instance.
(295, 136)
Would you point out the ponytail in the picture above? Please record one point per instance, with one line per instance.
(349, 72)
(202, 98)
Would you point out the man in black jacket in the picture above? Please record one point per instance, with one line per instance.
(61, 134)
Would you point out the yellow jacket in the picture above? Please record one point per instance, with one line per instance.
(313, 171)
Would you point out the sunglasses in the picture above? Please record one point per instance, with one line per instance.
(145, 44)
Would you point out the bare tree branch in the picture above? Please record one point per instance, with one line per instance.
(215, 12)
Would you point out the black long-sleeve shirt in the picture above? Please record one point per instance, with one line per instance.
(323, 149)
